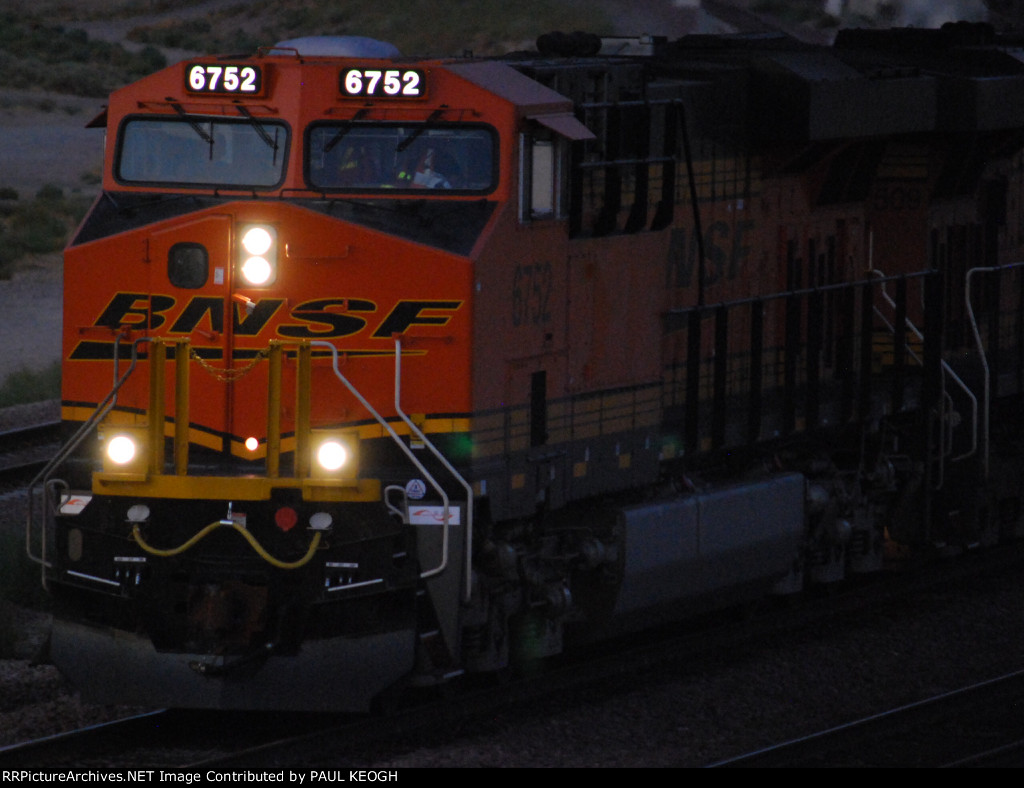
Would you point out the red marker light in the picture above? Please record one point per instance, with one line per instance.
(286, 518)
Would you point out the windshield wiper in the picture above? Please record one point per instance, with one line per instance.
(420, 129)
(345, 129)
(271, 142)
(204, 135)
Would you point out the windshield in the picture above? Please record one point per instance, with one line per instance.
(370, 156)
(199, 151)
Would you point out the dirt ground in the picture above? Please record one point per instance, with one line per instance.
(43, 140)
(30, 317)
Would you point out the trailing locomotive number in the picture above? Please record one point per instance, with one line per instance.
(392, 82)
(201, 78)
(898, 198)
(531, 294)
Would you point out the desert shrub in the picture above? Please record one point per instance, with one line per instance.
(37, 229)
(10, 253)
(448, 26)
(40, 226)
(35, 55)
(50, 193)
(30, 385)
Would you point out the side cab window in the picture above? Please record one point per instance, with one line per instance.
(542, 175)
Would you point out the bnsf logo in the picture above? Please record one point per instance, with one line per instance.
(321, 318)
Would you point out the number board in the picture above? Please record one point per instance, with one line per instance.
(402, 83)
(243, 80)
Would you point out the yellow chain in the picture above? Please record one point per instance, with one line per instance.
(229, 375)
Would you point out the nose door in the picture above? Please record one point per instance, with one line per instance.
(190, 283)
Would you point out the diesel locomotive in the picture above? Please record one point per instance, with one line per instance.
(378, 370)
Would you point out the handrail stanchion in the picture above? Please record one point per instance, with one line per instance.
(444, 461)
(274, 410)
(302, 410)
(401, 445)
(44, 476)
(182, 352)
(157, 369)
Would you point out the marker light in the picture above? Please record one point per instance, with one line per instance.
(320, 521)
(121, 449)
(285, 518)
(331, 455)
(256, 270)
(257, 241)
(138, 513)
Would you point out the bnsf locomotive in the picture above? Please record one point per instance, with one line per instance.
(378, 371)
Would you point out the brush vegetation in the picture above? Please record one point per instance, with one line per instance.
(42, 49)
(416, 27)
(37, 226)
(30, 385)
(35, 55)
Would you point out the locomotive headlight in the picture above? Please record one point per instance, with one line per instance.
(335, 455)
(124, 449)
(121, 449)
(331, 455)
(257, 241)
(257, 270)
(259, 255)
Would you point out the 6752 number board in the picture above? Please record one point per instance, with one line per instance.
(246, 80)
(409, 83)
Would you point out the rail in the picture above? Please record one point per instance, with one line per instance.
(961, 727)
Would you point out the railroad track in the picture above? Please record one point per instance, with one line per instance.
(25, 449)
(980, 725)
(182, 739)
(67, 748)
(161, 738)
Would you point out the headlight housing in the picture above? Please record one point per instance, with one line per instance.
(335, 454)
(124, 449)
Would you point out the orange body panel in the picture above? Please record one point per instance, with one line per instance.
(349, 292)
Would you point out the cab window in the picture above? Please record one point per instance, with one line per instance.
(199, 151)
(386, 157)
(541, 176)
